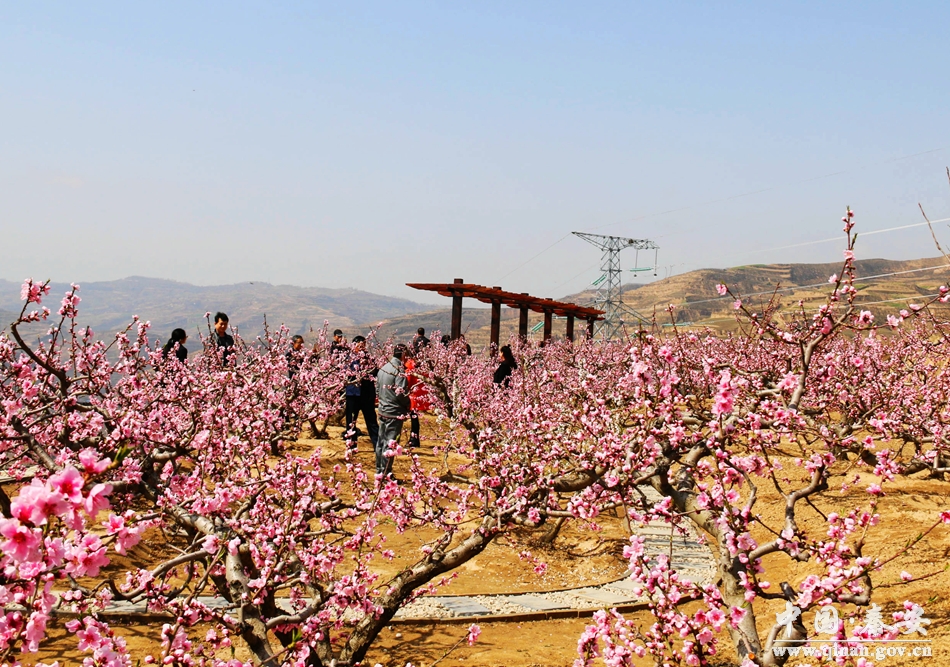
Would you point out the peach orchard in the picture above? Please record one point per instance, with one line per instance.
(107, 443)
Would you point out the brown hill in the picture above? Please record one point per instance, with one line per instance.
(108, 307)
(884, 286)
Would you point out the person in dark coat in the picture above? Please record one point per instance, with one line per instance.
(419, 341)
(177, 343)
(360, 392)
(338, 346)
(294, 356)
(506, 367)
(221, 338)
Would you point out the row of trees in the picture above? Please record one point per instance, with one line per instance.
(108, 444)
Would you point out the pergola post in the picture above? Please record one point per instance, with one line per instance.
(523, 319)
(457, 312)
(496, 297)
(495, 325)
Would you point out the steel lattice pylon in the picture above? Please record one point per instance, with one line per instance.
(609, 296)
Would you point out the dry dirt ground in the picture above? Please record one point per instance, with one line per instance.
(582, 556)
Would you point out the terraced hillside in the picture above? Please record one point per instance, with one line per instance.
(884, 286)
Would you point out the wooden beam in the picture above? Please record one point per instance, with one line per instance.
(511, 299)
(548, 317)
(569, 331)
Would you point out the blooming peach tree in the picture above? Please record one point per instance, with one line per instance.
(267, 544)
(805, 406)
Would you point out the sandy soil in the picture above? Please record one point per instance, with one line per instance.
(581, 556)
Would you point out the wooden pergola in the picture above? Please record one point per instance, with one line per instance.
(524, 302)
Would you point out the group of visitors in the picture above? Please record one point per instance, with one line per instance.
(397, 392)
(220, 338)
(396, 389)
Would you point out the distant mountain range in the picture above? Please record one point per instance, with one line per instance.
(884, 286)
(108, 307)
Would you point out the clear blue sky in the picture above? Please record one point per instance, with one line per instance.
(373, 144)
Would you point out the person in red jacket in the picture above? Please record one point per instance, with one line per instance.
(418, 400)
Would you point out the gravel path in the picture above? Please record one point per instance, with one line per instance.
(690, 558)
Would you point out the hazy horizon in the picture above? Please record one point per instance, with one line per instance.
(374, 145)
(436, 301)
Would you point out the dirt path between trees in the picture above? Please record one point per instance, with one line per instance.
(586, 557)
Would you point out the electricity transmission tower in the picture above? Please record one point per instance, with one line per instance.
(609, 296)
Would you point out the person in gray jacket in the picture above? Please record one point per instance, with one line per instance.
(393, 393)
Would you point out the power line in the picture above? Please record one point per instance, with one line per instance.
(576, 275)
(724, 199)
(746, 253)
(768, 189)
(901, 298)
(827, 240)
(838, 238)
(531, 259)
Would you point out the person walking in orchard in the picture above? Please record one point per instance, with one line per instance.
(360, 393)
(294, 356)
(338, 346)
(176, 343)
(419, 341)
(295, 359)
(221, 338)
(418, 398)
(505, 368)
(393, 392)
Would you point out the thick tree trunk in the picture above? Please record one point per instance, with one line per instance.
(745, 637)
(408, 581)
(551, 532)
